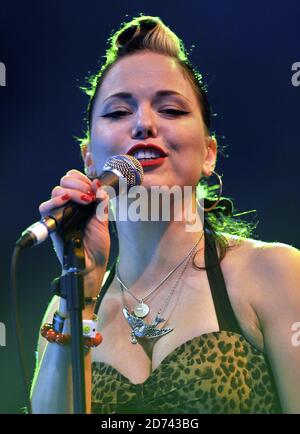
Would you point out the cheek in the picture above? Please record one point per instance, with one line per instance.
(105, 143)
(190, 149)
(105, 137)
(188, 160)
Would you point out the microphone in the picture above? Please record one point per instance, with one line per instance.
(117, 168)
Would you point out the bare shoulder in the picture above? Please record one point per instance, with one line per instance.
(262, 254)
(273, 268)
(271, 276)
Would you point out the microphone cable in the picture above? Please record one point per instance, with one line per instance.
(116, 168)
(17, 327)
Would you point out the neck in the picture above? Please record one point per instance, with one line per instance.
(149, 249)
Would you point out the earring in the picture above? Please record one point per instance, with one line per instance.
(89, 168)
(220, 193)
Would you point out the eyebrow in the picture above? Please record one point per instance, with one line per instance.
(158, 94)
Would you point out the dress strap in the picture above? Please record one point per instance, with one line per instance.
(225, 314)
(112, 272)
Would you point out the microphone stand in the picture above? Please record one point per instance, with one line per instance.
(74, 263)
(71, 286)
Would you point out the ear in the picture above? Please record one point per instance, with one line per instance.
(87, 157)
(84, 149)
(210, 156)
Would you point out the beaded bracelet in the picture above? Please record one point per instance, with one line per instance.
(88, 326)
(48, 332)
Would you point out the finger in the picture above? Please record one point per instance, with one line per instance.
(75, 195)
(75, 183)
(56, 202)
(102, 195)
(56, 191)
(99, 189)
(79, 175)
(64, 195)
(95, 185)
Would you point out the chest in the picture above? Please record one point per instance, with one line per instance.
(189, 311)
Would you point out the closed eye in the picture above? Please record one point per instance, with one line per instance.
(121, 113)
(174, 112)
(116, 114)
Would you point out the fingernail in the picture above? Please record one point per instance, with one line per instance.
(86, 198)
(66, 197)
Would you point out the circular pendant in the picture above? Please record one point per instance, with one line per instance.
(141, 310)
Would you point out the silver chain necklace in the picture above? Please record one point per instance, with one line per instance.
(142, 309)
(138, 326)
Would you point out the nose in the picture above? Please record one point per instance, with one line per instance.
(144, 125)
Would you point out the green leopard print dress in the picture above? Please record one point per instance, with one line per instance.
(218, 372)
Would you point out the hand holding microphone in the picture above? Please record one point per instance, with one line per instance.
(77, 188)
(74, 201)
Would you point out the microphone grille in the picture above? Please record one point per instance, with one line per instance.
(128, 166)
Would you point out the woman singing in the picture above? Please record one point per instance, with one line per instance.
(199, 321)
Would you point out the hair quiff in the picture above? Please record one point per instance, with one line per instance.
(146, 33)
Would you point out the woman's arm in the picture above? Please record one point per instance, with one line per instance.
(278, 308)
(51, 390)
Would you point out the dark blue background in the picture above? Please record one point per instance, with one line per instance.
(245, 51)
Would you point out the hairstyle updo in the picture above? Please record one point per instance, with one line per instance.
(147, 33)
(150, 33)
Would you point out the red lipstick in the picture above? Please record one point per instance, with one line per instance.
(149, 162)
(144, 147)
(152, 163)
